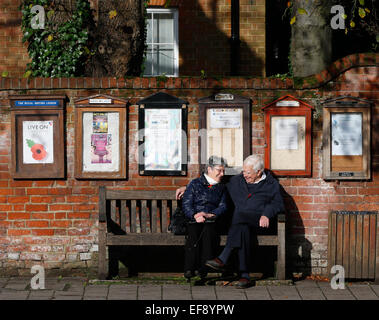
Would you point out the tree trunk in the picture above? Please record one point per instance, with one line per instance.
(118, 39)
(311, 40)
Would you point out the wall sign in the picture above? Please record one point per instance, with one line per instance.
(288, 123)
(163, 135)
(346, 138)
(100, 135)
(225, 126)
(37, 137)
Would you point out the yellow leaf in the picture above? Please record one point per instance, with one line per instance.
(50, 38)
(367, 10)
(293, 20)
(302, 11)
(27, 74)
(344, 16)
(346, 31)
(362, 12)
(352, 24)
(5, 74)
(112, 14)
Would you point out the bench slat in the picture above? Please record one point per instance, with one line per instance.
(123, 215)
(140, 194)
(154, 213)
(164, 216)
(133, 218)
(113, 210)
(168, 239)
(143, 216)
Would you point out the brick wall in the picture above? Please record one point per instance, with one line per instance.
(54, 222)
(204, 33)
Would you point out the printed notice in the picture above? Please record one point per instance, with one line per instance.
(38, 142)
(286, 134)
(346, 134)
(163, 136)
(225, 118)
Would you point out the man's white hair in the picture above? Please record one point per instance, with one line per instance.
(254, 161)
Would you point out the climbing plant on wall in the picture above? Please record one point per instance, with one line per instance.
(59, 48)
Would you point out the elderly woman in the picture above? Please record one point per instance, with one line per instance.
(203, 202)
(256, 197)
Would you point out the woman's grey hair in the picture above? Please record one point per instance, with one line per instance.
(215, 161)
(254, 161)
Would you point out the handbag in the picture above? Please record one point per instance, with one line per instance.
(178, 223)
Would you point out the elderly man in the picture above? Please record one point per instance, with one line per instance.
(256, 197)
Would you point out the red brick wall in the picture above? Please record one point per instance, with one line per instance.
(204, 33)
(13, 53)
(55, 222)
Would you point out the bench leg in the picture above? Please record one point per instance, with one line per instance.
(281, 264)
(102, 270)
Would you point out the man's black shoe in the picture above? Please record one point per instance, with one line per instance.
(243, 283)
(188, 274)
(215, 264)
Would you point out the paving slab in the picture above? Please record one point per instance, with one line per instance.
(363, 292)
(176, 292)
(257, 293)
(11, 294)
(41, 294)
(310, 293)
(149, 292)
(337, 294)
(59, 296)
(284, 293)
(122, 292)
(306, 283)
(203, 293)
(92, 292)
(375, 288)
(18, 284)
(3, 282)
(230, 293)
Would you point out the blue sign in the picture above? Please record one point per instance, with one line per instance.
(37, 103)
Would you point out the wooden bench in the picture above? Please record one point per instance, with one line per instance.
(142, 218)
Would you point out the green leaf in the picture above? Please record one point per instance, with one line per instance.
(5, 74)
(30, 143)
(362, 2)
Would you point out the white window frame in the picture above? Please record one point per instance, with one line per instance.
(176, 37)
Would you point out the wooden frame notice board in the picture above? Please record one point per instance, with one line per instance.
(346, 139)
(162, 125)
(288, 135)
(37, 127)
(100, 136)
(225, 129)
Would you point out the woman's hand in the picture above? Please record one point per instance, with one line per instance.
(264, 222)
(200, 217)
(179, 192)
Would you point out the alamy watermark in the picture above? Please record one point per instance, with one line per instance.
(338, 281)
(38, 281)
(38, 21)
(338, 21)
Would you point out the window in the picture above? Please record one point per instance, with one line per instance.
(162, 43)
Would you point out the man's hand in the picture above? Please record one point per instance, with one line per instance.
(179, 192)
(200, 217)
(264, 222)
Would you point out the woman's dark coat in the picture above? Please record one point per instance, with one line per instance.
(201, 196)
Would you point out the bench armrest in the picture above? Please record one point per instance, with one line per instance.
(281, 217)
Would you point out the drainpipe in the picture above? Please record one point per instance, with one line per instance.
(235, 38)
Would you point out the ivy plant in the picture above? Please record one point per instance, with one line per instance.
(60, 48)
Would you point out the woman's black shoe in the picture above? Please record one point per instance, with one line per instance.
(188, 274)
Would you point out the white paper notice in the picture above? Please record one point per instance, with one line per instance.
(163, 139)
(225, 118)
(346, 134)
(38, 142)
(286, 134)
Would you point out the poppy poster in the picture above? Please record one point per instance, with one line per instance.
(38, 142)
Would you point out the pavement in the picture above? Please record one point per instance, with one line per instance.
(76, 288)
